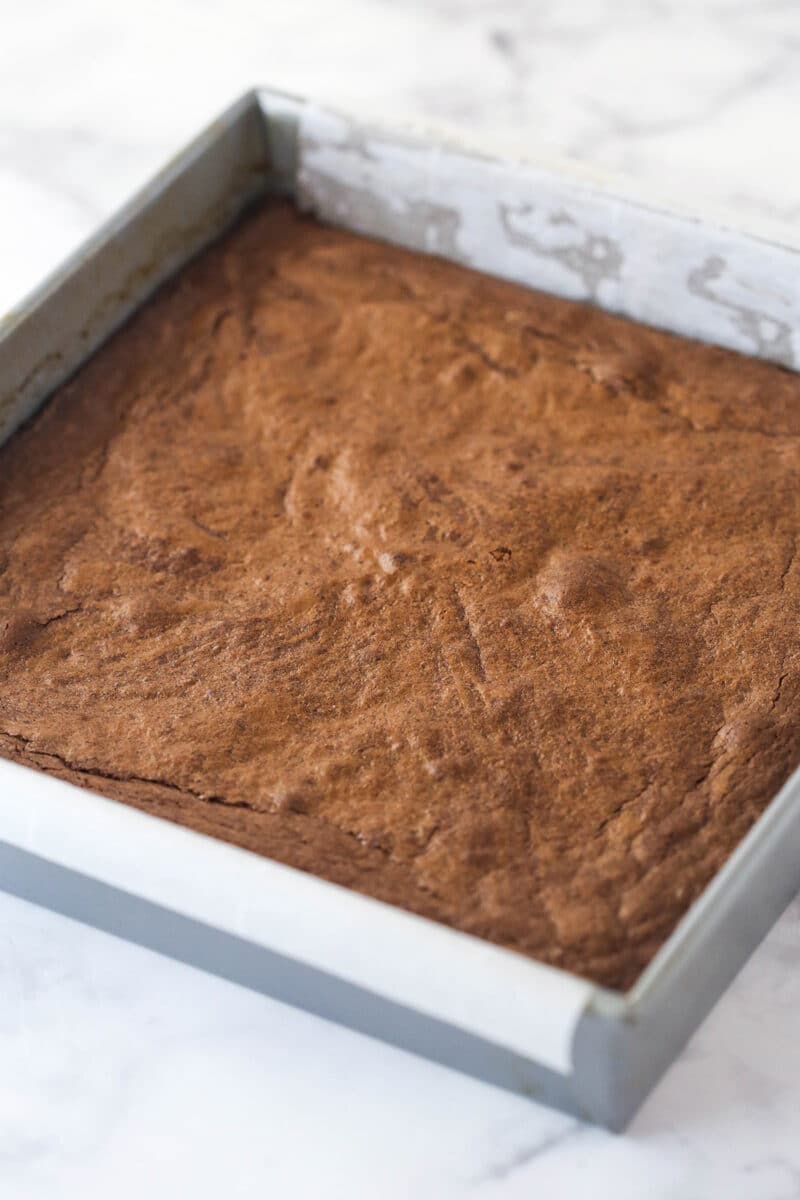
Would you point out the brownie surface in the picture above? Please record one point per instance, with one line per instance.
(478, 601)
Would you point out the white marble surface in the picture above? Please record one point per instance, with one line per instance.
(122, 1073)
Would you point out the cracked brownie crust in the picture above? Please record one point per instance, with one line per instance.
(474, 600)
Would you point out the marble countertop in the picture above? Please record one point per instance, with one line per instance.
(123, 1072)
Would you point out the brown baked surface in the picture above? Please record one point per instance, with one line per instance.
(477, 601)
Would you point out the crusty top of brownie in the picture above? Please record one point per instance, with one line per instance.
(481, 602)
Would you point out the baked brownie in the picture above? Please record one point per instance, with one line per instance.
(477, 601)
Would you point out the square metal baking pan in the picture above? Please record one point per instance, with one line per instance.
(443, 994)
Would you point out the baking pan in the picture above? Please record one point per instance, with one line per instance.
(451, 997)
